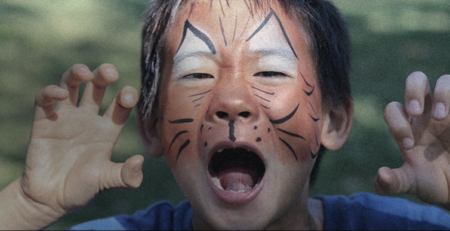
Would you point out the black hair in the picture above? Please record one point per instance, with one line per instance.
(324, 25)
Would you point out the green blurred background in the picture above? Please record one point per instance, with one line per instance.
(39, 40)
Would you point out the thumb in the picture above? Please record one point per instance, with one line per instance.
(125, 175)
(394, 181)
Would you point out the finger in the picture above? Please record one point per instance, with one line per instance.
(394, 181)
(123, 103)
(71, 80)
(441, 98)
(124, 175)
(95, 90)
(399, 125)
(44, 107)
(417, 94)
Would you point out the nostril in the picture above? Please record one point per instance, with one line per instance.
(244, 114)
(221, 114)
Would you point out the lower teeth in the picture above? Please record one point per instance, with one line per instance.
(216, 182)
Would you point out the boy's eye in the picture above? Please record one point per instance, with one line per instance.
(270, 74)
(198, 76)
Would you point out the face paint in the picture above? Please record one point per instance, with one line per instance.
(241, 113)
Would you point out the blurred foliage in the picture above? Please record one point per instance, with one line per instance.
(39, 40)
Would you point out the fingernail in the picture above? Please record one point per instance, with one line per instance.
(58, 90)
(110, 71)
(414, 107)
(137, 169)
(407, 143)
(382, 182)
(439, 110)
(84, 70)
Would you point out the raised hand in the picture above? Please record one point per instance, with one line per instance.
(68, 158)
(422, 131)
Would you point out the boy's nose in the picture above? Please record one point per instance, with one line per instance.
(233, 102)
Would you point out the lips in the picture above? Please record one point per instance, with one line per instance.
(236, 174)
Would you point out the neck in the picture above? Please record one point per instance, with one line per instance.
(304, 216)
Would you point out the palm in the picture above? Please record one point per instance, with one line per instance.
(68, 158)
(426, 168)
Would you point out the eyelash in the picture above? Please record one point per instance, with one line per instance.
(198, 76)
(272, 74)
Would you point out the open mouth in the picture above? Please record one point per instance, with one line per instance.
(236, 170)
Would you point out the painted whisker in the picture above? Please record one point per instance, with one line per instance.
(290, 148)
(262, 98)
(269, 93)
(291, 134)
(182, 147)
(176, 136)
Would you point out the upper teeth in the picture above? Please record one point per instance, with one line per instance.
(220, 151)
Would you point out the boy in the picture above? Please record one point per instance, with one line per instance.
(239, 97)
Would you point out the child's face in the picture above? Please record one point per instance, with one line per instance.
(241, 114)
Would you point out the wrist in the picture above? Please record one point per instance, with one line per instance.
(18, 211)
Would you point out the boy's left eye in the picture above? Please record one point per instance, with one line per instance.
(270, 74)
(198, 76)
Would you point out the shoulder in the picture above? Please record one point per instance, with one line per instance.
(368, 211)
(159, 216)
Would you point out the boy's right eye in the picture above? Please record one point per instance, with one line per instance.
(198, 76)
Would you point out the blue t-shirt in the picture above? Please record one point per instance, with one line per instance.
(360, 211)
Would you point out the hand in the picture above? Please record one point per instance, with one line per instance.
(68, 158)
(422, 131)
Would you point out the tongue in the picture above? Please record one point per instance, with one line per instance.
(237, 179)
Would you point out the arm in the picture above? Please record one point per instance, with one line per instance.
(422, 131)
(68, 157)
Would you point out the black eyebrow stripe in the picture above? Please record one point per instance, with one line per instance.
(286, 118)
(182, 147)
(291, 134)
(223, 32)
(284, 32)
(262, 98)
(200, 93)
(198, 34)
(269, 93)
(197, 105)
(175, 137)
(180, 121)
(266, 20)
(195, 100)
(290, 148)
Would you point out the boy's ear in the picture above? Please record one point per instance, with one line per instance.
(337, 123)
(149, 128)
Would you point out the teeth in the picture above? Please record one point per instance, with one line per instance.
(216, 181)
(240, 191)
(221, 150)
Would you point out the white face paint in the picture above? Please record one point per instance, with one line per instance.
(273, 49)
(192, 57)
